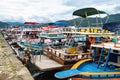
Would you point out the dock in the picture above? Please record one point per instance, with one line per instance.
(10, 67)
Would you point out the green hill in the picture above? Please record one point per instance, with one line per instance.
(3, 24)
(114, 18)
(84, 22)
(76, 21)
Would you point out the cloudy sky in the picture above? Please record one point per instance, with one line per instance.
(50, 10)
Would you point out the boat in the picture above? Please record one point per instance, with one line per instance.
(35, 37)
(102, 65)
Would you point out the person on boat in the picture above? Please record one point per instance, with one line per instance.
(60, 42)
(87, 44)
(26, 57)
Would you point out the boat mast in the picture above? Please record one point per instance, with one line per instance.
(87, 19)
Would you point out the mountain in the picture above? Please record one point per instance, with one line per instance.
(92, 21)
(6, 24)
(76, 21)
(14, 23)
(3, 24)
(114, 18)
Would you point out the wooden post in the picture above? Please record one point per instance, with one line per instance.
(59, 54)
(55, 52)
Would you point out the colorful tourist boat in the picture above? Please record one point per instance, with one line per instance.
(102, 65)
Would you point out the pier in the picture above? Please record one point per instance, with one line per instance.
(10, 67)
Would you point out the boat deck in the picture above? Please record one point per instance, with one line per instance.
(45, 63)
(60, 56)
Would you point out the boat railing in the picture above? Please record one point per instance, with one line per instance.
(63, 55)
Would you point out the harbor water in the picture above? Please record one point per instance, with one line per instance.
(42, 75)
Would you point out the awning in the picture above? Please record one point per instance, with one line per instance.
(87, 12)
(46, 28)
(31, 23)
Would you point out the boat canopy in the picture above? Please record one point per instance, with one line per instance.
(47, 28)
(51, 23)
(31, 23)
(87, 12)
(113, 26)
(59, 23)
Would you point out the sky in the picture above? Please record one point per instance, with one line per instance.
(43, 11)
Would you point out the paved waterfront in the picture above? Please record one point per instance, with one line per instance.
(10, 67)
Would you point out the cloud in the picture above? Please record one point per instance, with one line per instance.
(117, 8)
(49, 10)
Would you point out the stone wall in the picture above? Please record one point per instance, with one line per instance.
(10, 67)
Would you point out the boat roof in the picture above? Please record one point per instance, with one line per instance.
(47, 28)
(31, 23)
(87, 12)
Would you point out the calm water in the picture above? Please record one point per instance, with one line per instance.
(48, 75)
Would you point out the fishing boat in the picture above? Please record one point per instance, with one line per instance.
(103, 65)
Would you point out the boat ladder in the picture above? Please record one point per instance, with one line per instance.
(103, 59)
